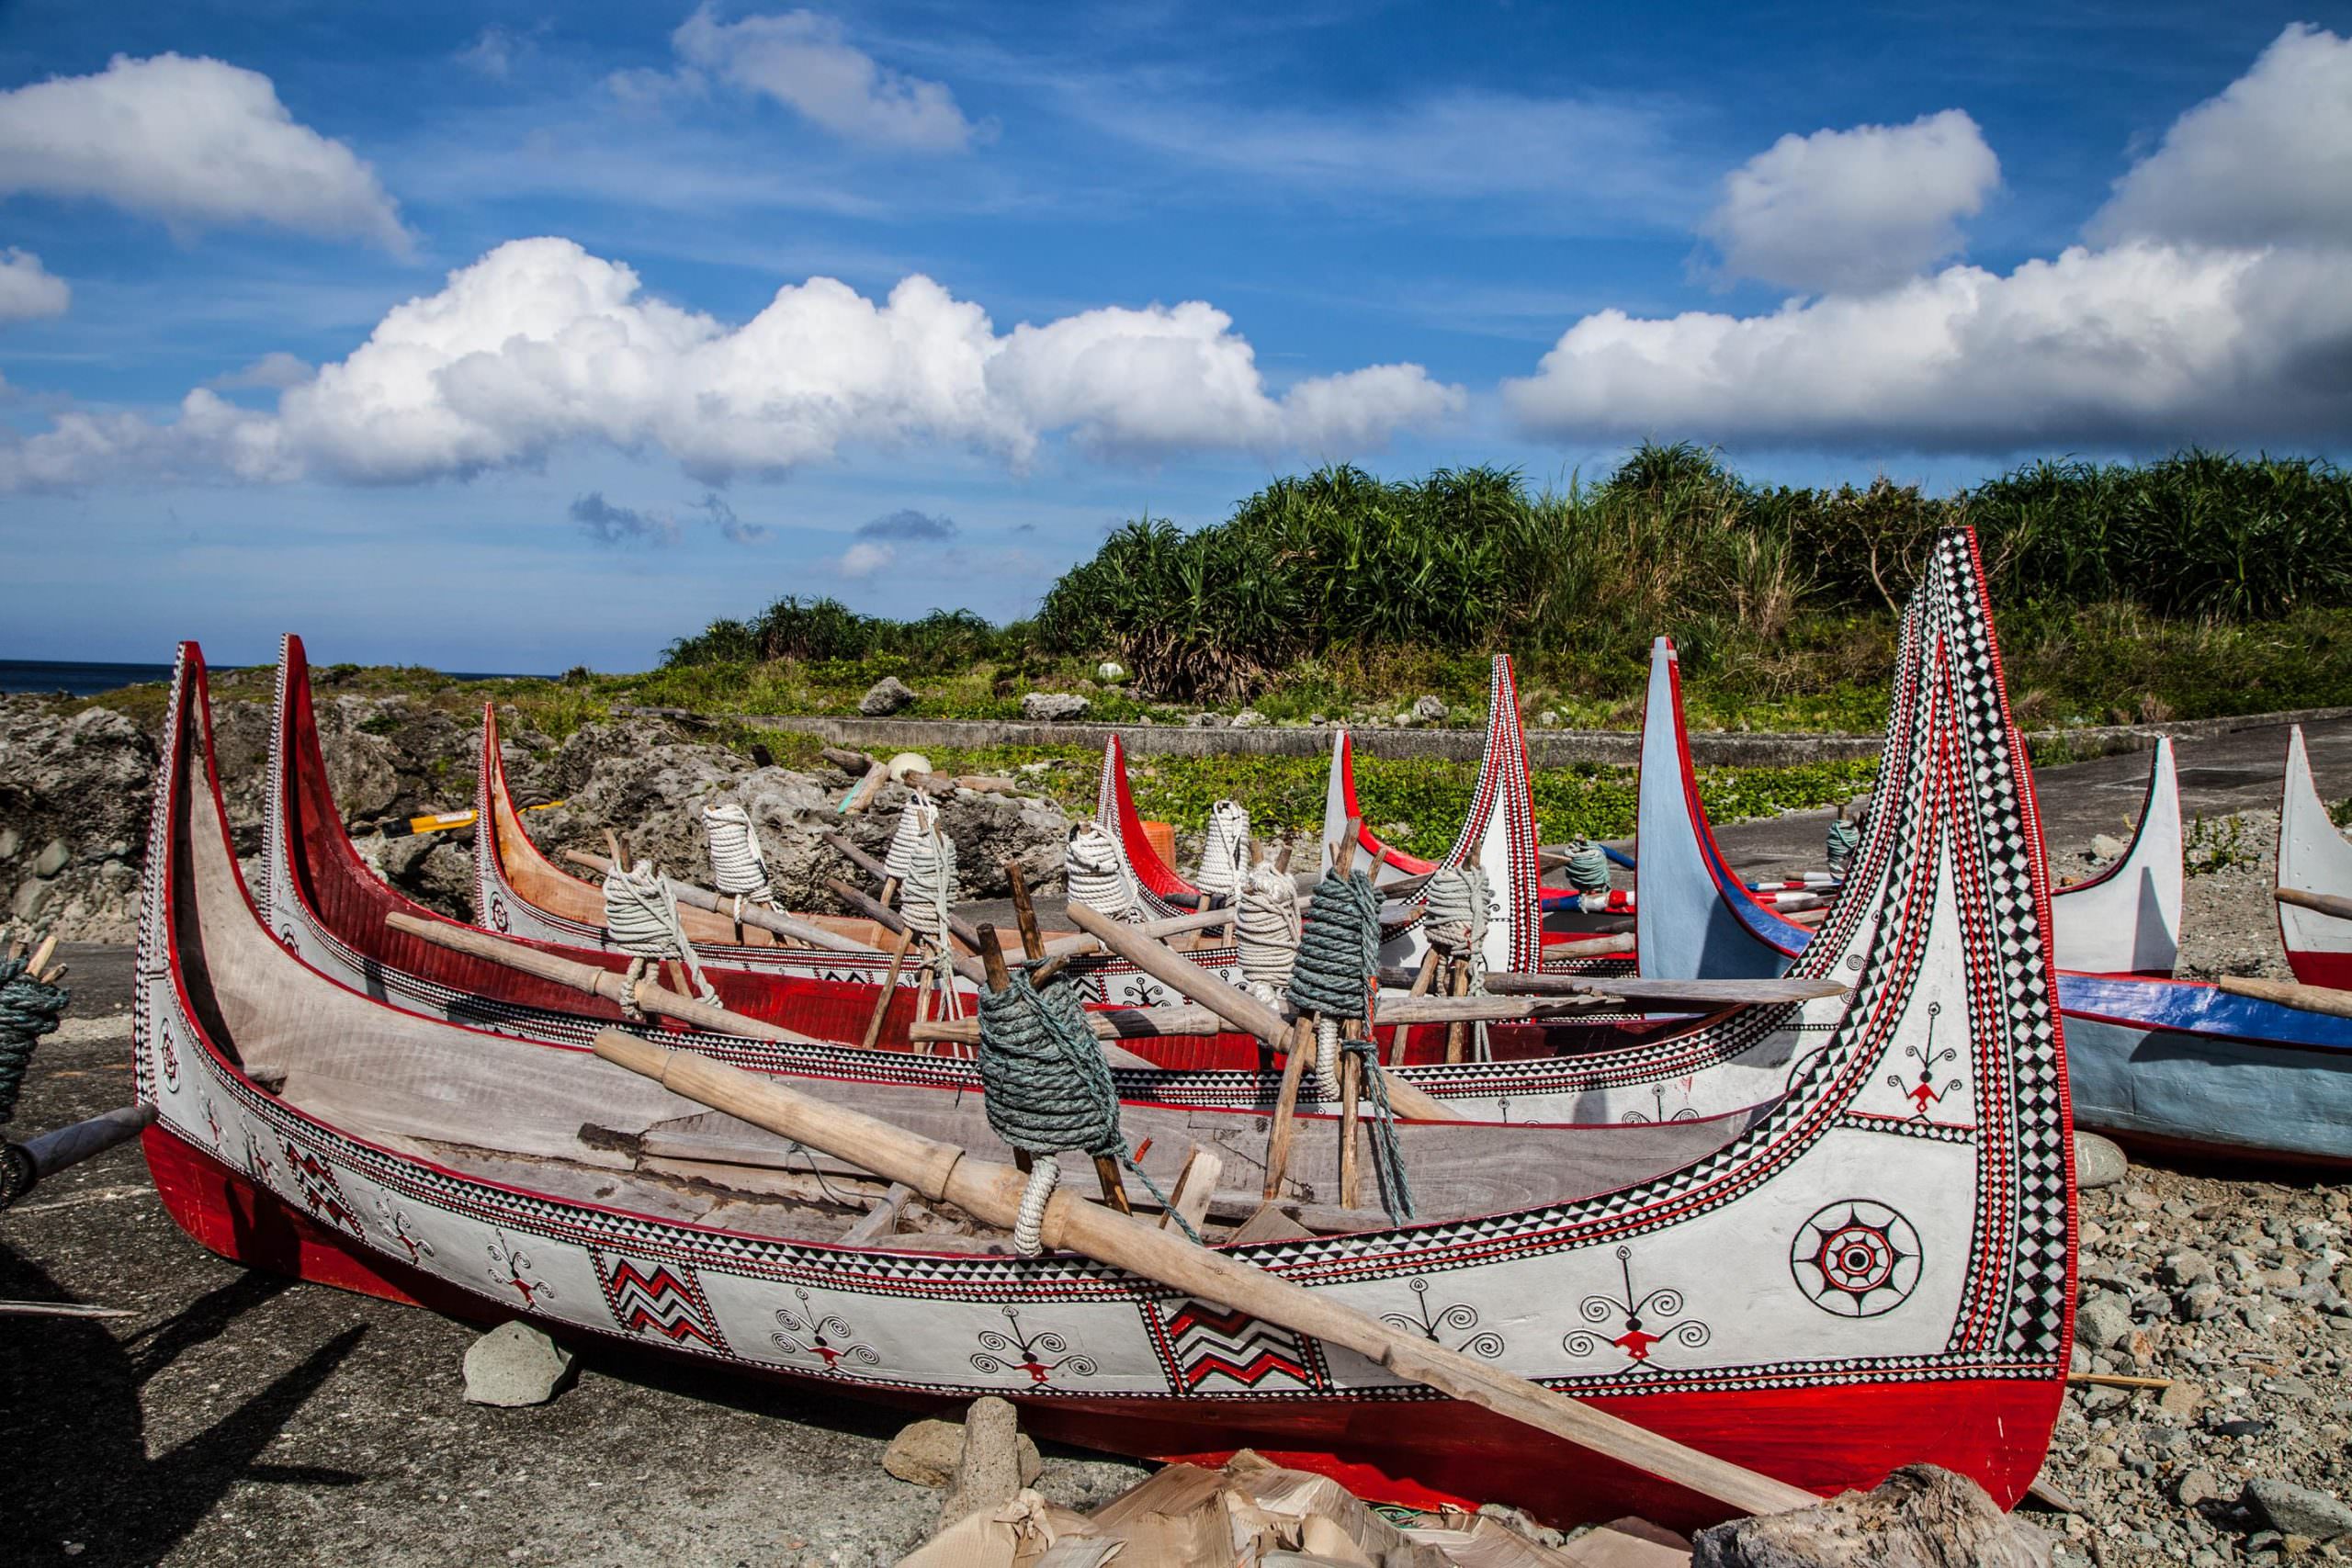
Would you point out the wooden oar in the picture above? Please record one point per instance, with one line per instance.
(22, 1165)
(650, 995)
(773, 920)
(2289, 993)
(1237, 1007)
(2317, 902)
(943, 1173)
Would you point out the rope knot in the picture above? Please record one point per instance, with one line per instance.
(1588, 867)
(1845, 839)
(1225, 866)
(736, 865)
(641, 919)
(1096, 874)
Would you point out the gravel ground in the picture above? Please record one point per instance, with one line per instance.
(236, 1418)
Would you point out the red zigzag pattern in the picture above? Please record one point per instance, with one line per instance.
(659, 1303)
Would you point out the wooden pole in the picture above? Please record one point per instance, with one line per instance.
(1457, 1034)
(943, 1173)
(1024, 913)
(889, 920)
(650, 995)
(1285, 1122)
(2317, 902)
(1350, 1092)
(772, 920)
(2289, 993)
(889, 989)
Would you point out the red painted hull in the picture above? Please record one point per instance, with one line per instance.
(2315, 968)
(1432, 1454)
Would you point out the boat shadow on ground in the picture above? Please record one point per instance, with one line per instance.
(76, 1481)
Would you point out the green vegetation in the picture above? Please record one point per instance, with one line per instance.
(2200, 585)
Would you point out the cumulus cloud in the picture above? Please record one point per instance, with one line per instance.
(861, 561)
(2226, 329)
(195, 143)
(540, 345)
(276, 370)
(610, 525)
(2269, 160)
(908, 523)
(1853, 210)
(805, 61)
(29, 291)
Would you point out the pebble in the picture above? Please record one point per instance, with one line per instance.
(2103, 1322)
(2297, 1510)
(2098, 1162)
(514, 1365)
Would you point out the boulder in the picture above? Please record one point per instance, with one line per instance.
(2104, 1322)
(73, 790)
(1249, 719)
(885, 697)
(514, 1365)
(927, 1453)
(988, 1469)
(2297, 1510)
(1110, 672)
(1921, 1517)
(1053, 708)
(2098, 1161)
(1428, 709)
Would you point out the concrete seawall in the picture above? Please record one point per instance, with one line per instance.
(1546, 748)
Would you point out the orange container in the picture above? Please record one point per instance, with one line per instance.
(1161, 837)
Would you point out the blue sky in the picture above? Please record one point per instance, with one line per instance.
(514, 338)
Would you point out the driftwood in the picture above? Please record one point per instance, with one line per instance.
(943, 1173)
(857, 765)
(686, 893)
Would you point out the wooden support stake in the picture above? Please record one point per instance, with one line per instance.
(1024, 913)
(1302, 1048)
(889, 988)
(1457, 1034)
(889, 920)
(1350, 1091)
(943, 1173)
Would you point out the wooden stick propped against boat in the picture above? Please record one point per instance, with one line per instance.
(941, 1173)
(889, 920)
(2289, 993)
(649, 996)
(2317, 902)
(772, 920)
(965, 931)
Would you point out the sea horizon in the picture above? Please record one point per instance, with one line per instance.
(88, 677)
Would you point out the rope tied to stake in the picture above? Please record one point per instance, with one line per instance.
(1047, 1089)
(927, 885)
(1096, 876)
(1266, 932)
(1456, 926)
(902, 842)
(1225, 866)
(641, 919)
(1339, 957)
(736, 866)
(29, 1010)
(1588, 867)
(1845, 840)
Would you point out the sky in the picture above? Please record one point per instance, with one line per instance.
(512, 338)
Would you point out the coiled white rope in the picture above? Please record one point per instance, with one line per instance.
(1045, 1170)
(1266, 929)
(1096, 876)
(736, 867)
(641, 919)
(1456, 926)
(913, 825)
(927, 886)
(1225, 862)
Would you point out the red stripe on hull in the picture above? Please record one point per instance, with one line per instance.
(2313, 967)
(1429, 1453)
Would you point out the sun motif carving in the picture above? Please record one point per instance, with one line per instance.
(1856, 1259)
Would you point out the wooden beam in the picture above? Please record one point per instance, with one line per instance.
(2317, 902)
(2289, 993)
(944, 1173)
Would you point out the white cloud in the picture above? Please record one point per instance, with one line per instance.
(195, 143)
(2139, 344)
(803, 60)
(861, 561)
(2269, 160)
(540, 345)
(1852, 211)
(29, 291)
(2232, 326)
(276, 369)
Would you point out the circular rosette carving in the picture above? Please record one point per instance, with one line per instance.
(1856, 1259)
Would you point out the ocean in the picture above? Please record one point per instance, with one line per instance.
(79, 677)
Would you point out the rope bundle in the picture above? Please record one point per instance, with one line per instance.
(926, 882)
(1266, 931)
(735, 863)
(912, 825)
(1588, 867)
(29, 1010)
(1047, 1088)
(1225, 856)
(1845, 839)
(1096, 874)
(1456, 926)
(641, 919)
(1338, 954)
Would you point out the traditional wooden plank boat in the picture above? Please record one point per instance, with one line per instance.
(2156, 1061)
(1847, 1282)
(329, 909)
(1700, 913)
(2313, 859)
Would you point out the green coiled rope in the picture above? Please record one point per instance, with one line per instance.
(29, 1010)
(1339, 960)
